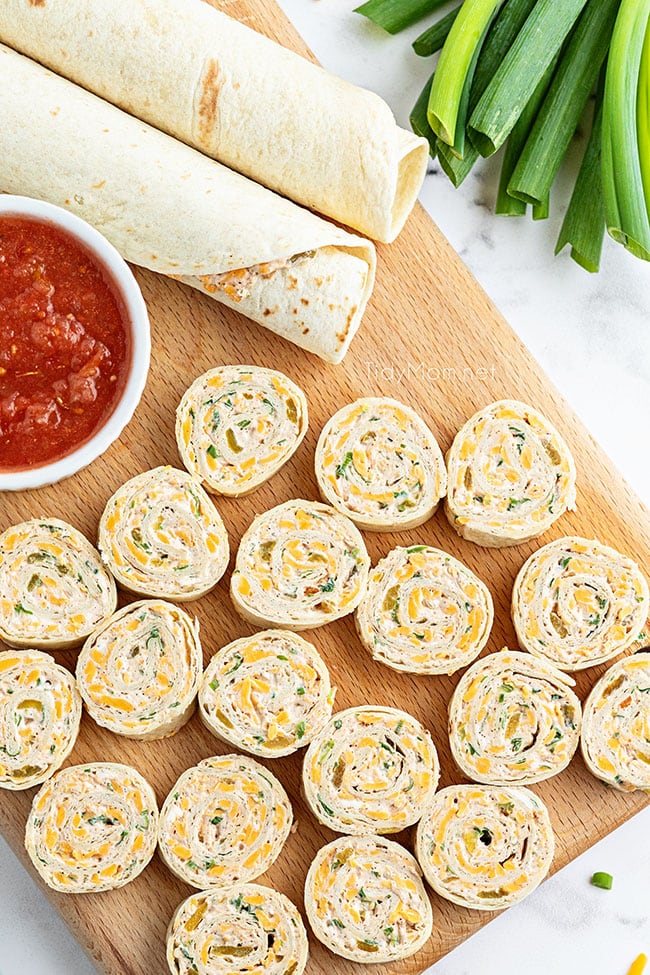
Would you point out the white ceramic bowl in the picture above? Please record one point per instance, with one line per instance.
(136, 318)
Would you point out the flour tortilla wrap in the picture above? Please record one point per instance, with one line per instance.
(235, 95)
(168, 208)
(40, 711)
(247, 929)
(485, 847)
(365, 900)
(615, 739)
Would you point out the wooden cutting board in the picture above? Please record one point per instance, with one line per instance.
(431, 338)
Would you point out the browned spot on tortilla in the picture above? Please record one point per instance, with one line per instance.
(318, 282)
(305, 330)
(295, 311)
(37, 3)
(342, 336)
(210, 89)
(304, 301)
(293, 283)
(267, 312)
(98, 186)
(55, 111)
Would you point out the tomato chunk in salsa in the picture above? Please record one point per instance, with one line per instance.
(65, 344)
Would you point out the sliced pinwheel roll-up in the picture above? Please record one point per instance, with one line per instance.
(365, 900)
(224, 822)
(161, 535)
(247, 929)
(54, 589)
(299, 565)
(139, 673)
(268, 694)
(370, 770)
(40, 711)
(378, 463)
(424, 612)
(237, 425)
(513, 719)
(485, 847)
(578, 603)
(615, 739)
(511, 475)
(92, 828)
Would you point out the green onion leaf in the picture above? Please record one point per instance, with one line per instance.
(419, 119)
(435, 36)
(395, 15)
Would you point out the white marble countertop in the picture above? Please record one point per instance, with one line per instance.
(591, 333)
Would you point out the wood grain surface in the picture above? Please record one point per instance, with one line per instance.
(431, 338)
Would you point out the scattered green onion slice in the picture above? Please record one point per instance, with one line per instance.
(602, 880)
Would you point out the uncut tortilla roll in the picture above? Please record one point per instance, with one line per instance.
(247, 929)
(268, 694)
(365, 900)
(170, 209)
(237, 425)
(236, 96)
(378, 463)
(424, 612)
(299, 565)
(54, 589)
(485, 847)
(578, 603)
(370, 770)
(139, 673)
(224, 822)
(40, 711)
(615, 739)
(161, 535)
(511, 475)
(513, 719)
(92, 828)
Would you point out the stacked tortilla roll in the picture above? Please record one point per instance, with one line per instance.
(299, 565)
(237, 425)
(511, 475)
(513, 719)
(378, 463)
(485, 847)
(365, 900)
(139, 673)
(92, 828)
(243, 930)
(168, 208)
(578, 603)
(160, 535)
(370, 770)
(268, 694)
(424, 612)
(234, 95)
(54, 589)
(615, 738)
(40, 711)
(224, 822)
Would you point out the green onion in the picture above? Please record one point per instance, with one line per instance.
(602, 880)
(626, 212)
(643, 116)
(456, 169)
(395, 15)
(419, 120)
(564, 104)
(435, 36)
(521, 71)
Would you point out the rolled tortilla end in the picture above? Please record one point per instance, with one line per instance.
(370, 770)
(485, 847)
(92, 828)
(513, 720)
(299, 565)
(139, 673)
(378, 463)
(365, 900)
(598, 607)
(268, 694)
(54, 588)
(237, 425)
(224, 822)
(511, 475)
(424, 612)
(40, 711)
(161, 535)
(614, 738)
(242, 929)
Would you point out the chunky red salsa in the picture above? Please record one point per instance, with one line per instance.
(65, 344)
